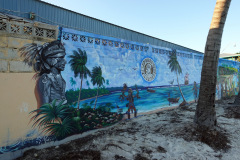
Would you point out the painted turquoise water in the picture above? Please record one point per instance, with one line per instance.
(148, 101)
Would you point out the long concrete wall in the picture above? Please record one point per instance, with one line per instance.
(126, 66)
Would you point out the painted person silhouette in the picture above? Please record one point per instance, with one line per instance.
(131, 105)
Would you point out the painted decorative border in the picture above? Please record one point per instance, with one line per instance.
(103, 42)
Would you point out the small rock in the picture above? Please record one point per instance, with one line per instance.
(56, 147)
(35, 155)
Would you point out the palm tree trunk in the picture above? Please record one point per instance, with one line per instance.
(96, 99)
(80, 92)
(205, 115)
(184, 100)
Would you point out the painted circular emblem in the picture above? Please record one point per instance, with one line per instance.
(148, 69)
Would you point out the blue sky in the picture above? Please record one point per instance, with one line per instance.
(184, 22)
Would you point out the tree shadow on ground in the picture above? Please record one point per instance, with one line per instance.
(232, 112)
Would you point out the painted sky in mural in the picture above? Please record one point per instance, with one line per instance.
(122, 64)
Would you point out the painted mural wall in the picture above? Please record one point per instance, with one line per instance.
(157, 75)
(228, 79)
(88, 81)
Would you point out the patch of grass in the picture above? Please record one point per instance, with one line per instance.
(175, 120)
(117, 157)
(161, 149)
(146, 150)
(216, 139)
(187, 108)
(140, 157)
(232, 112)
(81, 155)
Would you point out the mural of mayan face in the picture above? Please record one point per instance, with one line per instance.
(48, 61)
(148, 69)
(61, 63)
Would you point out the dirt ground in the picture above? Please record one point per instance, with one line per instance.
(169, 134)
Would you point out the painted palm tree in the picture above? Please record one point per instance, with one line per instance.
(73, 82)
(107, 82)
(205, 115)
(87, 83)
(97, 79)
(78, 65)
(175, 67)
(54, 119)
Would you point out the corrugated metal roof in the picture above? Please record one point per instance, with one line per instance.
(55, 15)
(226, 55)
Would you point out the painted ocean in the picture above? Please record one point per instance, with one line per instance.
(149, 101)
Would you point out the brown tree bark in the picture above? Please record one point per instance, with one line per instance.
(205, 112)
(184, 100)
(79, 96)
(96, 99)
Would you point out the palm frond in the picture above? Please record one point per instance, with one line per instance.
(77, 62)
(60, 130)
(97, 76)
(29, 52)
(49, 113)
(173, 63)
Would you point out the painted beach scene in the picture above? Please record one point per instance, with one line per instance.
(157, 77)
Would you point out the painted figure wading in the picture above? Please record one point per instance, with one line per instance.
(130, 98)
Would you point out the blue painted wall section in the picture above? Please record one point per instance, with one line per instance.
(122, 62)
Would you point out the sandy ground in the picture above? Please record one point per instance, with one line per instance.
(168, 134)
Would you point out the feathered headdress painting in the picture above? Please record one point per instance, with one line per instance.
(36, 55)
(32, 56)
